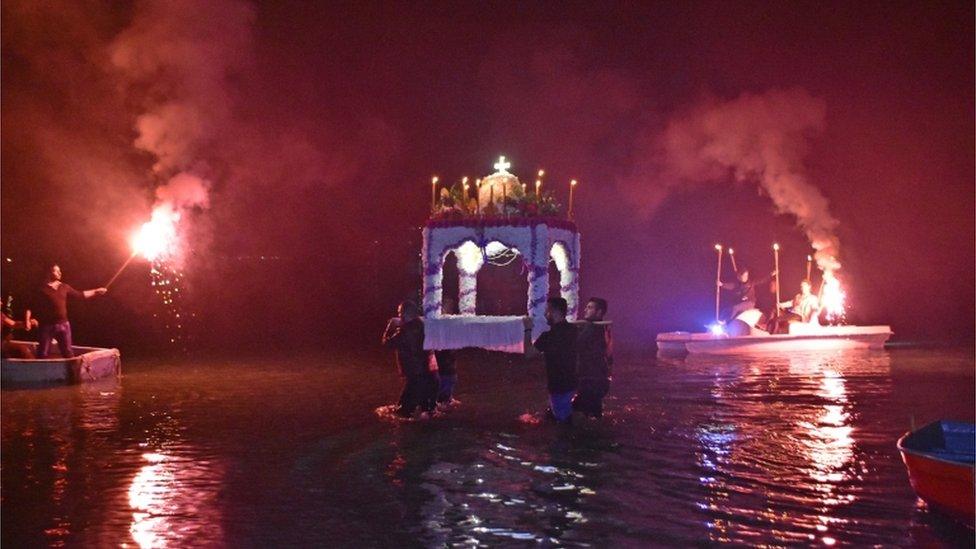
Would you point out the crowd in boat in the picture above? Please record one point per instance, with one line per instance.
(46, 314)
(578, 361)
(773, 317)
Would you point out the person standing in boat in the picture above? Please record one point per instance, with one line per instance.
(50, 308)
(405, 334)
(744, 290)
(558, 346)
(594, 344)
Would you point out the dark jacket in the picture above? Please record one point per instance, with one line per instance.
(558, 344)
(595, 347)
(408, 341)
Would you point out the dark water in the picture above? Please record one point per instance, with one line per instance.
(778, 451)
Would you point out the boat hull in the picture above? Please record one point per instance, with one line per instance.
(821, 339)
(944, 484)
(88, 364)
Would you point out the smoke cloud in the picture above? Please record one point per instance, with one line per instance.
(760, 138)
(178, 59)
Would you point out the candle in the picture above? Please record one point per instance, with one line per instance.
(572, 187)
(504, 199)
(538, 183)
(809, 264)
(477, 184)
(433, 193)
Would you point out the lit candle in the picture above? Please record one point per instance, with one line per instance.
(538, 183)
(477, 184)
(809, 265)
(572, 188)
(433, 193)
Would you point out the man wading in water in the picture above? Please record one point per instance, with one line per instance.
(51, 311)
(558, 344)
(595, 347)
(405, 334)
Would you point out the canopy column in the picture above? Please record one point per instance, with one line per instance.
(433, 278)
(467, 292)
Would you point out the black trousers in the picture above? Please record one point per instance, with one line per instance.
(589, 396)
(419, 390)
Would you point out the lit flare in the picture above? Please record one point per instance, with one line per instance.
(157, 237)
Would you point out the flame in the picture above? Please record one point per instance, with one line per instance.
(833, 297)
(157, 237)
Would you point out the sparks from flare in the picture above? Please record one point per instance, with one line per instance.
(833, 298)
(158, 241)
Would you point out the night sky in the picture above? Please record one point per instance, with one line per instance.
(314, 131)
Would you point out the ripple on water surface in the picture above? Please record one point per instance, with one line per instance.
(775, 450)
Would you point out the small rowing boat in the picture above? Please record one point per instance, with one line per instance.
(940, 460)
(88, 364)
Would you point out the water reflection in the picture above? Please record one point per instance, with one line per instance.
(827, 441)
(778, 438)
(774, 451)
(173, 502)
(504, 491)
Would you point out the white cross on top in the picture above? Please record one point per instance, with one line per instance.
(501, 165)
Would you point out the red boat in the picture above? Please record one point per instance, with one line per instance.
(940, 458)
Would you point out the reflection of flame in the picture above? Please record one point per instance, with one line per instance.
(173, 502)
(157, 237)
(833, 297)
(831, 448)
(147, 497)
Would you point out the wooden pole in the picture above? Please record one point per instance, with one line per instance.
(718, 282)
(122, 268)
(776, 271)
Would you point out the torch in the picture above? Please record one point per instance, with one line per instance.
(155, 239)
(718, 281)
(122, 268)
(732, 257)
(809, 265)
(776, 271)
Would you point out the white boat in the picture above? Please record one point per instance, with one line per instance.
(88, 364)
(802, 337)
